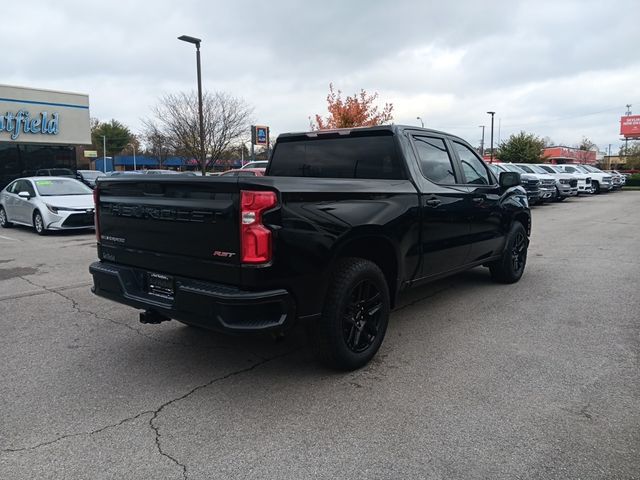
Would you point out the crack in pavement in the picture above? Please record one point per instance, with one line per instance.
(76, 307)
(42, 290)
(156, 413)
(79, 434)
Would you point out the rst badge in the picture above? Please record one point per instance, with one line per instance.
(222, 254)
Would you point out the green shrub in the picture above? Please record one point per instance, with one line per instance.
(634, 180)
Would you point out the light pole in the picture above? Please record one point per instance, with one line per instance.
(134, 155)
(492, 114)
(482, 141)
(421, 122)
(196, 42)
(104, 153)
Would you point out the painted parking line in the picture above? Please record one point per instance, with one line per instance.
(7, 238)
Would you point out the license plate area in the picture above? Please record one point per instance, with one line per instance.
(160, 285)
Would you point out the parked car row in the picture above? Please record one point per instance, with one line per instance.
(546, 182)
(59, 199)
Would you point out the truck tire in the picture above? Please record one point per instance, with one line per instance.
(355, 315)
(4, 221)
(510, 267)
(595, 187)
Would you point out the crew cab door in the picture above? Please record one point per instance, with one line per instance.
(443, 206)
(484, 208)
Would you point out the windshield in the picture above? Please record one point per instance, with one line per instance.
(538, 169)
(512, 168)
(546, 168)
(91, 175)
(526, 168)
(59, 186)
(60, 171)
(262, 164)
(591, 169)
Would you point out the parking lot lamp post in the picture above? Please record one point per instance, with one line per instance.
(482, 141)
(492, 114)
(104, 153)
(134, 156)
(196, 42)
(421, 122)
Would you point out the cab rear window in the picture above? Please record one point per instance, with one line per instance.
(372, 157)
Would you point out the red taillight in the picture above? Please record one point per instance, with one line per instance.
(96, 219)
(255, 238)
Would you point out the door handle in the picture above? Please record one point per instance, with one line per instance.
(434, 202)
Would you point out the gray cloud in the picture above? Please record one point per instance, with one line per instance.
(534, 62)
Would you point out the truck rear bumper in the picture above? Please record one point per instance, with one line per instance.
(209, 305)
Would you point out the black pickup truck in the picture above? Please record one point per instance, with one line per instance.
(341, 223)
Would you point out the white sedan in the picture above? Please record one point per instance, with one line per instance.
(47, 203)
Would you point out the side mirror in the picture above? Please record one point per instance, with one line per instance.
(25, 195)
(509, 179)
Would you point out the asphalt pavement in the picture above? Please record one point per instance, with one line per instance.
(475, 380)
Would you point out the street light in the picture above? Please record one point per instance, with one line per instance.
(196, 42)
(421, 122)
(482, 141)
(134, 155)
(492, 114)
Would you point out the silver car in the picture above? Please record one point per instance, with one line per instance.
(47, 203)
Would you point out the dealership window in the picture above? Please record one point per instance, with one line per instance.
(20, 160)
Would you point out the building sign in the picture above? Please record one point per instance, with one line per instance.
(43, 116)
(630, 126)
(91, 153)
(21, 122)
(260, 135)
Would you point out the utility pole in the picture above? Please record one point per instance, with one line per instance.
(482, 141)
(492, 114)
(104, 153)
(626, 139)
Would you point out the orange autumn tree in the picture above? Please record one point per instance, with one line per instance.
(355, 111)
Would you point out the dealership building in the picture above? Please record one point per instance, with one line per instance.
(40, 129)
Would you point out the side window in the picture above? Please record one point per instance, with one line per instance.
(28, 187)
(20, 186)
(474, 169)
(434, 159)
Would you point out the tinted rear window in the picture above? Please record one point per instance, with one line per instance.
(346, 157)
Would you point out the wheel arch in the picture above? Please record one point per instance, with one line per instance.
(377, 248)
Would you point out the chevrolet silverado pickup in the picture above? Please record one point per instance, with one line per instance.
(342, 222)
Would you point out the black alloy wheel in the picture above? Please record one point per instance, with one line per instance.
(510, 267)
(361, 321)
(355, 315)
(519, 252)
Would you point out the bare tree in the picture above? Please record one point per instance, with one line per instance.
(157, 145)
(226, 121)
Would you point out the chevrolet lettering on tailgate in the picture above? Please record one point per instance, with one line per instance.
(155, 213)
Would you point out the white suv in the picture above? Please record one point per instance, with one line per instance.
(584, 179)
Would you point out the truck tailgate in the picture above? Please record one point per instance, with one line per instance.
(188, 226)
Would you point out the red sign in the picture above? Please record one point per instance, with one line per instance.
(630, 126)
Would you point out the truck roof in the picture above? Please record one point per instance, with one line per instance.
(347, 131)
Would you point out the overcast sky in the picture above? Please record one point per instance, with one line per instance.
(559, 69)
